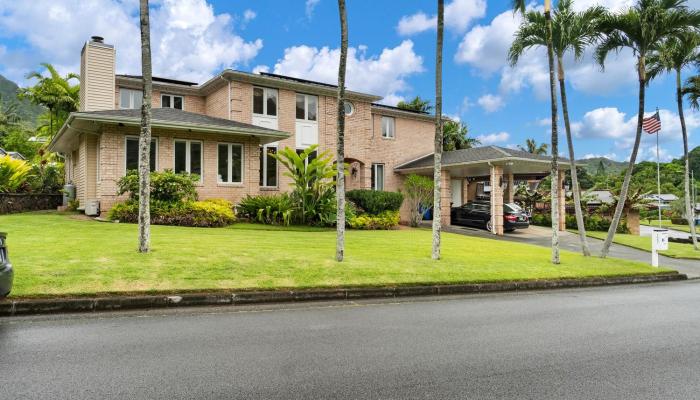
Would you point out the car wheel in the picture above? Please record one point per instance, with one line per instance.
(488, 225)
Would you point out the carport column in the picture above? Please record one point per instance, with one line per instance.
(511, 188)
(562, 202)
(445, 197)
(496, 200)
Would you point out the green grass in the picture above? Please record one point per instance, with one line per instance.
(675, 250)
(666, 223)
(58, 254)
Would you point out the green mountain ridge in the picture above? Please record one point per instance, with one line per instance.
(28, 112)
(593, 165)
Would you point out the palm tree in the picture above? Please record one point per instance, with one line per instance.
(571, 31)
(532, 147)
(692, 90)
(673, 55)
(417, 104)
(437, 173)
(454, 136)
(340, 155)
(9, 115)
(145, 137)
(54, 92)
(642, 28)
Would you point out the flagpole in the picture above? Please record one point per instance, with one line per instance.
(658, 173)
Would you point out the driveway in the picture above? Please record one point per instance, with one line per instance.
(645, 230)
(540, 236)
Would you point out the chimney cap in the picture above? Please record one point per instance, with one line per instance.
(97, 39)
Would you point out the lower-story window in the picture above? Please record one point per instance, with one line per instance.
(230, 162)
(378, 176)
(188, 157)
(132, 153)
(268, 166)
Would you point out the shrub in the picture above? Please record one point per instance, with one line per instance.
(207, 213)
(165, 186)
(375, 202)
(13, 173)
(595, 223)
(419, 193)
(385, 220)
(274, 209)
(46, 178)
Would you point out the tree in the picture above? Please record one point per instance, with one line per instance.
(145, 137)
(419, 195)
(437, 167)
(676, 53)
(8, 114)
(340, 155)
(454, 136)
(571, 31)
(55, 93)
(642, 28)
(532, 147)
(417, 104)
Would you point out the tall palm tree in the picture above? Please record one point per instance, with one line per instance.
(437, 172)
(532, 147)
(519, 6)
(571, 31)
(145, 137)
(54, 92)
(642, 28)
(692, 90)
(455, 136)
(340, 155)
(417, 104)
(673, 55)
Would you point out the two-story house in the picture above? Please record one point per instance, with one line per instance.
(226, 129)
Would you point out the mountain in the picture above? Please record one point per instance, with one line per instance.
(592, 165)
(28, 111)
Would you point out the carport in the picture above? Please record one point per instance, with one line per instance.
(488, 173)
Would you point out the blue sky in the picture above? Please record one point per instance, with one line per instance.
(392, 55)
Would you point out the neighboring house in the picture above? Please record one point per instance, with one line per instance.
(597, 198)
(663, 200)
(13, 154)
(226, 129)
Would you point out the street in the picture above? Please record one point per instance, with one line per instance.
(636, 342)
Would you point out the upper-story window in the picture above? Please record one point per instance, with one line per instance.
(265, 101)
(171, 101)
(307, 107)
(349, 108)
(130, 98)
(388, 127)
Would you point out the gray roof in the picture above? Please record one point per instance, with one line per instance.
(474, 155)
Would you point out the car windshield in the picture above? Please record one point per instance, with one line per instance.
(512, 207)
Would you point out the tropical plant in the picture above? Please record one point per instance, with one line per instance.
(532, 147)
(571, 32)
(384, 220)
(437, 157)
(275, 209)
(54, 92)
(145, 136)
(676, 53)
(206, 213)
(419, 193)
(166, 186)
(9, 114)
(455, 136)
(340, 145)
(46, 176)
(528, 199)
(313, 191)
(643, 29)
(416, 104)
(13, 173)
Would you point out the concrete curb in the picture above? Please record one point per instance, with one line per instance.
(73, 305)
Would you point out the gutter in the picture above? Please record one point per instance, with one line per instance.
(493, 160)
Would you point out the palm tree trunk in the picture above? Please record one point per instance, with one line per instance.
(340, 155)
(437, 168)
(145, 137)
(689, 211)
(572, 161)
(633, 157)
(554, 174)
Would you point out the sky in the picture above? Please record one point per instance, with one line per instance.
(392, 54)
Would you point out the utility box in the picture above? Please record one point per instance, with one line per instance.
(92, 208)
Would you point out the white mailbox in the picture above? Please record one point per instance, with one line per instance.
(659, 241)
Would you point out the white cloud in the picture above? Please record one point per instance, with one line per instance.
(494, 138)
(261, 68)
(383, 75)
(611, 156)
(310, 7)
(189, 40)
(491, 103)
(458, 15)
(249, 15)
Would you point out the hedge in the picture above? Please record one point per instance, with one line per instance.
(375, 202)
(207, 213)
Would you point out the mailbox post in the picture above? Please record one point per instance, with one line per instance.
(659, 241)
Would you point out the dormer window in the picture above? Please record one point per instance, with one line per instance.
(265, 101)
(171, 101)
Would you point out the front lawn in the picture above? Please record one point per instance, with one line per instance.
(59, 254)
(666, 223)
(675, 250)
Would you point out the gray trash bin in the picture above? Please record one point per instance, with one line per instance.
(6, 274)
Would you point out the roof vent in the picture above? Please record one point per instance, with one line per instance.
(97, 39)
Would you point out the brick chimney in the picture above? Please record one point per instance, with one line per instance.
(97, 70)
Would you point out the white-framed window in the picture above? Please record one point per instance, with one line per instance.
(130, 98)
(131, 158)
(388, 127)
(378, 176)
(230, 163)
(172, 101)
(265, 101)
(349, 108)
(188, 157)
(306, 107)
(268, 166)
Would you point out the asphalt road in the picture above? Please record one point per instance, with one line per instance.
(627, 342)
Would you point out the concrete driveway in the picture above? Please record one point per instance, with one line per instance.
(540, 236)
(645, 230)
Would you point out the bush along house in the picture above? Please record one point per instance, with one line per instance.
(225, 131)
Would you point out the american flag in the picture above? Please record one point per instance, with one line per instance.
(652, 124)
